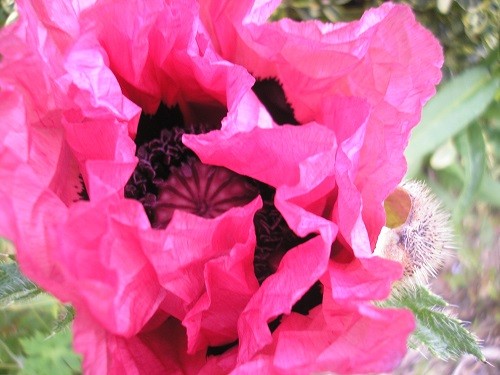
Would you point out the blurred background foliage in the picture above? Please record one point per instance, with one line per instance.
(455, 149)
(7, 11)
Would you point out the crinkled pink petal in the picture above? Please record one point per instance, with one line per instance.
(313, 161)
(206, 85)
(246, 114)
(220, 364)
(339, 201)
(128, 45)
(105, 154)
(92, 87)
(159, 351)
(347, 210)
(298, 271)
(298, 161)
(64, 69)
(272, 156)
(356, 339)
(97, 174)
(161, 52)
(72, 91)
(373, 341)
(90, 340)
(258, 365)
(304, 179)
(180, 253)
(360, 47)
(26, 89)
(25, 203)
(22, 68)
(13, 137)
(106, 264)
(396, 72)
(8, 227)
(89, 254)
(362, 279)
(230, 283)
(57, 17)
(65, 95)
(98, 130)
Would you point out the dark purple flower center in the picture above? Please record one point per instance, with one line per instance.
(201, 189)
(170, 177)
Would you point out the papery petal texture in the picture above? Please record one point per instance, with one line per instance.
(207, 272)
(386, 58)
(81, 84)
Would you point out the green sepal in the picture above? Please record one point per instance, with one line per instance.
(443, 335)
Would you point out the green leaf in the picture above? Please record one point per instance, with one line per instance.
(444, 335)
(489, 191)
(20, 320)
(456, 105)
(473, 150)
(49, 355)
(14, 286)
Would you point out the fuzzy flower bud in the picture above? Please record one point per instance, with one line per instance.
(417, 233)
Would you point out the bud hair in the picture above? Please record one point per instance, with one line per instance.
(423, 242)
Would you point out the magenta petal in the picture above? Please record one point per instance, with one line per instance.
(157, 352)
(128, 48)
(106, 265)
(179, 254)
(161, 52)
(298, 271)
(15, 136)
(395, 72)
(28, 204)
(363, 279)
(260, 153)
(230, 283)
(310, 344)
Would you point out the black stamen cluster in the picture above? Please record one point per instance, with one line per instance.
(273, 234)
(159, 148)
(155, 160)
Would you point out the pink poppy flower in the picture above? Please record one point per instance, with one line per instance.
(206, 187)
